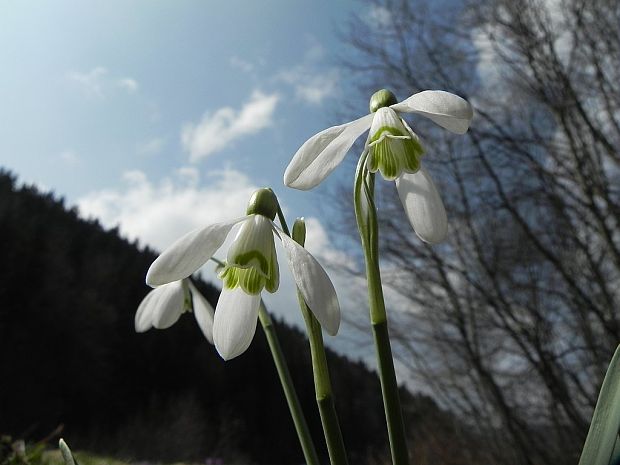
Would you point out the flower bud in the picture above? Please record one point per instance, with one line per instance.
(382, 98)
(67, 456)
(263, 202)
(299, 231)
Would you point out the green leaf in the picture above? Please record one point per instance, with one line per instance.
(600, 446)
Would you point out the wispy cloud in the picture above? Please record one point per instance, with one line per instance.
(152, 146)
(241, 64)
(312, 83)
(128, 84)
(311, 88)
(91, 81)
(97, 82)
(70, 157)
(157, 213)
(379, 17)
(219, 129)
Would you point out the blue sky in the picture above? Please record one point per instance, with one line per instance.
(161, 117)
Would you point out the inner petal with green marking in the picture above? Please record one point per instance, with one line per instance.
(251, 261)
(392, 147)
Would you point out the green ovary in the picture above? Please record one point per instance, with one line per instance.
(394, 153)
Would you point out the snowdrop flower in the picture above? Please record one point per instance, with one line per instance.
(393, 149)
(251, 266)
(162, 307)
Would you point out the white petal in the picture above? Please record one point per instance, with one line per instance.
(161, 308)
(447, 110)
(320, 154)
(255, 235)
(235, 320)
(203, 312)
(144, 316)
(314, 284)
(386, 117)
(423, 206)
(188, 253)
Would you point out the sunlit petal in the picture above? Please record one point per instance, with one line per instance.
(188, 253)
(447, 110)
(234, 325)
(166, 304)
(203, 312)
(320, 154)
(423, 205)
(314, 284)
(253, 248)
(144, 316)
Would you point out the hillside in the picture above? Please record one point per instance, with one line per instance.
(69, 356)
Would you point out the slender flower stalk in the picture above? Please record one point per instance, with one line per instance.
(322, 382)
(292, 400)
(301, 426)
(394, 150)
(365, 214)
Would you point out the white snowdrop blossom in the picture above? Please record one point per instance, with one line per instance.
(393, 149)
(163, 306)
(251, 266)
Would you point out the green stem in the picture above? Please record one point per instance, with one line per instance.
(301, 426)
(299, 420)
(366, 216)
(322, 382)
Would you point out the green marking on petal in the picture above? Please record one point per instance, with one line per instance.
(230, 277)
(391, 153)
(390, 130)
(273, 278)
(245, 259)
(250, 280)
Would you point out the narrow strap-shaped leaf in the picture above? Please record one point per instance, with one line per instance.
(615, 456)
(600, 446)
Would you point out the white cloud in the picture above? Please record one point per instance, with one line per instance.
(128, 84)
(70, 157)
(159, 213)
(216, 131)
(241, 64)
(152, 146)
(312, 83)
(379, 17)
(311, 88)
(97, 82)
(91, 81)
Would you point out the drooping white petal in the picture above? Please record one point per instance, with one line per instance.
(161, 307)
(447, 110)
(188, 253)
(234, 325)
(144, 315)
(203, 312)
(314, 284)
(423, 206)
(320, 154)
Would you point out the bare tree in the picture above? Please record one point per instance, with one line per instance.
(514, 319)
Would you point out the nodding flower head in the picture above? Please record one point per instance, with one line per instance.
(251, 266)
(393, 149)
(163, 306)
